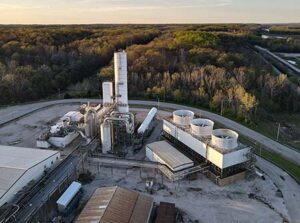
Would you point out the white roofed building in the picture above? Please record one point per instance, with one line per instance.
(19, 166)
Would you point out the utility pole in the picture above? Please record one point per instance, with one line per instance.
(222, 102)
(278, 131)
(158, 103)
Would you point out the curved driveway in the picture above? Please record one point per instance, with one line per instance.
(11, 113)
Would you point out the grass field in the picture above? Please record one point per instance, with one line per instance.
(291, 168)
(289, 131)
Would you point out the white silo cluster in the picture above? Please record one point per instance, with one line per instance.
(219, 148)
(116, 100)
(119, 98)
(106, 120)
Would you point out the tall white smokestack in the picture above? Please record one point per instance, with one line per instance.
(121, 90)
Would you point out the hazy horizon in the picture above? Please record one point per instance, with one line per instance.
(148, 12)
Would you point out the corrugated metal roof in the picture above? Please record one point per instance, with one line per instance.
(144, 204)
(170, 155)
(116, 205)
(96, 206)
(22, 158)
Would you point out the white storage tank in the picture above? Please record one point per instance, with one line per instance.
(107, 88)
(145, 125)
(68, 195)
(121, 90)
(74, 116)
(224, 139)
(90, 124)
(202, 127)
(105, 138)
(183, 117)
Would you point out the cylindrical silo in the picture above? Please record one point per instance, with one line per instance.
(105, 137)
(121, 90)
(107, 88)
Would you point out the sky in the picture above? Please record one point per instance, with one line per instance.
(148, 11)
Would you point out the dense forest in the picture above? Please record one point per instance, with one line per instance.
(211, 66)
(36, 62)
(210, 69)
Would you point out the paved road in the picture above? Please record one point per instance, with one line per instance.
(13, 112)
(288, 186)
(284, 62)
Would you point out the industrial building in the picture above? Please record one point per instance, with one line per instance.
(115, 205)
(20, 166)
(111, 120)
(227, 158)
(84, 123)
(166, 154)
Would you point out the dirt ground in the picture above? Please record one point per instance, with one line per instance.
(201, 199)
(26, 130)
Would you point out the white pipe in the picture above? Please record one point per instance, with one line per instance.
(145, 125)
(88, 140)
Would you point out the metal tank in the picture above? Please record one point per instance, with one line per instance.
(183, 117)
(90, 124)
(121, 90)
(145, 125)
(224, 139)
(105, 137)
(202, 127)
(107, 88)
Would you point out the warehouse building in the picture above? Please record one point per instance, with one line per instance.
(166, 154)
(19, 166)
(115, 205)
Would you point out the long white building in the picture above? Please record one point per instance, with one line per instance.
(19, 166)
(220, 147)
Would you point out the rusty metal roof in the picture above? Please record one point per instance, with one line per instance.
(143, 205)
(166, 213)
(116, 205)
